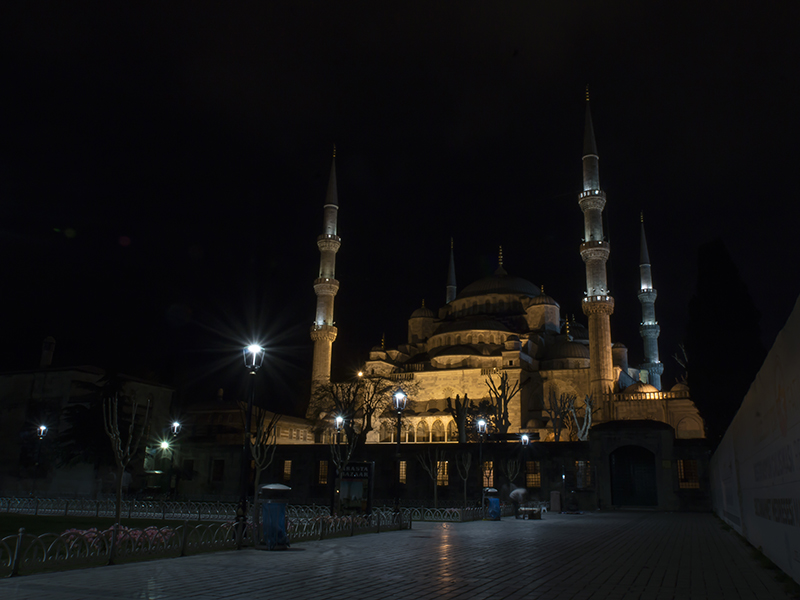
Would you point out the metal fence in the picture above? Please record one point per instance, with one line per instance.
(132, 509)
(24, 553)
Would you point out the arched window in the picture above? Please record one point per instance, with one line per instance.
(408, 433)
(437, 431)
(423, 432)
(452, 432)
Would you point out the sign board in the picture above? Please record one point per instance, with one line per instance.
(356, 488)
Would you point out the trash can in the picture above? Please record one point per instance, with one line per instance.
(494, 504)
(272, 513)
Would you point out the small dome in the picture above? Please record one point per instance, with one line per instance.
(544, 299)
(619, 345)
(680, 387)
(423, 312)
(377, 349)
(569, 349)
(512, 338)
(640, 387)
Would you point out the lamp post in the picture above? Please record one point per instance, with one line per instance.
(338, 423)
(253, 359)
(482, 428)
(175, 429)
(41, 432)
(399, 401)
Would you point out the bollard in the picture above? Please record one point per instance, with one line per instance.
(36, 507)
(17, 553)
(379, 523)
(185, 540)
(130, 508)
(97, 508)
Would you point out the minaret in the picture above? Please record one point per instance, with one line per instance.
(450, 294)
(598, 305)
(649, 328)
(323, 331)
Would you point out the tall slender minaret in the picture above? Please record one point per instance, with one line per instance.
(649, 328)
(323, 331)
(598, 305)
(450, 294)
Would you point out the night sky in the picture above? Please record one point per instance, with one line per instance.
(163, 170)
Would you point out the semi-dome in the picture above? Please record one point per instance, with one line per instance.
(640, 387)
(500, 283)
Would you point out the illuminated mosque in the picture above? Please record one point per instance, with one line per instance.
(504, 324)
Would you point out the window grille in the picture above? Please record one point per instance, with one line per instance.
(688, 477)
(402, 471)
(323, 472)
(533, 474)
(442, 477)
(287, 471)
(488, 473)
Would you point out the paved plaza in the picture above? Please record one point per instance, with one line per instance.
(610, 555)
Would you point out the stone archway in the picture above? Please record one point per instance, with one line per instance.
(633, 477)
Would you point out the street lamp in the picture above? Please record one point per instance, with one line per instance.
(253, 359)
(483, 426)
(399, 401)
(41, 432)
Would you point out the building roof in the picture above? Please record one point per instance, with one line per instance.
(500, 283)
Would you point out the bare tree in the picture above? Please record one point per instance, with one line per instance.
(557, 408)
(431, 462)
(463, 464)
(263, 442)
(683, 361)
(357, 401)
(459, 411)
(124, 448)
(501, 396)
(583, 425)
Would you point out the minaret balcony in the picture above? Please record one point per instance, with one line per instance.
(324, 332)
(587, 193)
(328, 242)
(595, 250)
(647, 295)
(326, 286)
(602, 304)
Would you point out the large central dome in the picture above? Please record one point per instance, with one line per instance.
(500, 283)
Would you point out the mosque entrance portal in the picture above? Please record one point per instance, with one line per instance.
(633, 477)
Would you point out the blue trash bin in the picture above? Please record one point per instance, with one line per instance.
(494, 509)
(273, 517)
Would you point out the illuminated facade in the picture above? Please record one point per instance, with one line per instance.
(503, 324)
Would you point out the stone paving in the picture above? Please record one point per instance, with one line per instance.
(594, 556)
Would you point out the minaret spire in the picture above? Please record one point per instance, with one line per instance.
(649, 329)
(598, 305)
(323, 331)
(450, 294)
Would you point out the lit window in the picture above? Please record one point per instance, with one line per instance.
(442, 478)
(287, 470)
(583, 474)
(402, 471)
(323, 472)
(533, 474)
(488, 473)
(688, 477)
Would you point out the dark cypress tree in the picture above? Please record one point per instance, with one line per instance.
(723, 339)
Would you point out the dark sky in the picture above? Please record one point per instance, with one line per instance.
(162, 170)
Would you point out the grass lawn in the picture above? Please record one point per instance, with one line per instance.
(37, 525)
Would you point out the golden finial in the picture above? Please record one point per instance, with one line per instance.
(451, 243)
(587, 92)
(383, 341)
(567, 325)
(542, 289)
(334, 151)
(423, 303)
(641, 216)
(500, 257)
